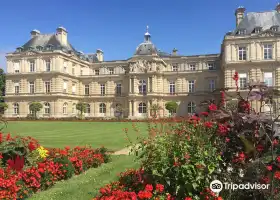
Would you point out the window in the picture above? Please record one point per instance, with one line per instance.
(191, 86)
(73, 70)
(274, 28)
(65, 86)
(119, 89)
(268, 79)
(31, 87)
(242, 32)
(267, 51)
(32, 66)
(102, 108)
(73, 88)
(174, 68)
(111, 70)
(142, 108)
(16, 67)
(87, 90)
(151, 84)
(87, 109)
(16, 84)
(211, 66)
(258, 30)
(65, 69)
(47, 108)
(48, 66)
(74, 108)
(172, 87)
(96, 72)
(212, 85)
(16, 108)
(142, 87)
(192, 67)
(191, 107)
(47, 87)
(64, 108)
(102, 89)
(242, 53)
(242, 81)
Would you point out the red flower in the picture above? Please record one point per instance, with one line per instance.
(67, 148)
(227, 139)
(278, 159)
(212, 107)
(149, 188)
(260, 147)
(222, 129)
(31, 146)
(8, 137)
(235, 77)
(275, 142)
(1, 156)
(277, 175)
(187, 156)
(1, 137)
(159, 187)
(16, 164)
(145, 195)
(204, 114)
(269, 167)
(188, 198)
(208, 124)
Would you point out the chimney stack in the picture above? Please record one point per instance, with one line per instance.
(62, 35)
(278, 8)
(239, 13)
(174, 52)
(34, 33)
(99, 55)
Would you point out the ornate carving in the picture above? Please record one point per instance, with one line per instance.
(30, 53)
(267, 34)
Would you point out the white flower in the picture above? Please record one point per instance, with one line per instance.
(229, 169)
(241, 173)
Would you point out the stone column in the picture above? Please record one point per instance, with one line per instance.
(148, 108)
(129, 108)
(134, 110)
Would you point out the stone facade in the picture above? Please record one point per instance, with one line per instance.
(54, 73)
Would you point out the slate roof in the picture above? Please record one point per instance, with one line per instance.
(252, 20)
(49, 42)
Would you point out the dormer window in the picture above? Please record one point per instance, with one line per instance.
(241, 32)
(50, 47)
(30, 48)
(19, 49)
(39, 48)
(274, 28)
(257, 30)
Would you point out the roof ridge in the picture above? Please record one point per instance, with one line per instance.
(261, 12)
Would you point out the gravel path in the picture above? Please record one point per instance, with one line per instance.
(124, 151)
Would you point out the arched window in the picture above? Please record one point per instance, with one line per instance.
(191, 107)
(74, 108)
(142, 87)
(47, 108)
(142, 108)
(102, 108)
(87, 108)
(64, 108)
(16, 108)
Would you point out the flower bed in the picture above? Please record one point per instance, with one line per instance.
(26, 167)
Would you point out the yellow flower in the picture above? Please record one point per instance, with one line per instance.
(42, 152)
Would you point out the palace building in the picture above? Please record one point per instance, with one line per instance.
(49, 70)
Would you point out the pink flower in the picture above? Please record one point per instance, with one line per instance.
(212, 107)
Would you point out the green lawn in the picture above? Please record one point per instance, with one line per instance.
(60, 134)
(86, 186)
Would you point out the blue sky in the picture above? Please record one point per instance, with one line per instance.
(118, 26)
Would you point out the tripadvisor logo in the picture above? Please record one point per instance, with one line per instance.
(217, 186)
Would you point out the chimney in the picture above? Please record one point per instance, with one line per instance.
(34, 33)
(278, 8)
(174, 52)
(99, 55)
(62, 35)
(239, 13)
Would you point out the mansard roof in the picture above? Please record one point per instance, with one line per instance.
(50, 42)
(263, 20)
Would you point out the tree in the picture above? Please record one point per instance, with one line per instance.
(154, 109)
(81, 107)
(3, 107)
(171, 106)
(119, 110)
(35, 107)
(2, 85)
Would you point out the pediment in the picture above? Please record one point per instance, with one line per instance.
(268, 33)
